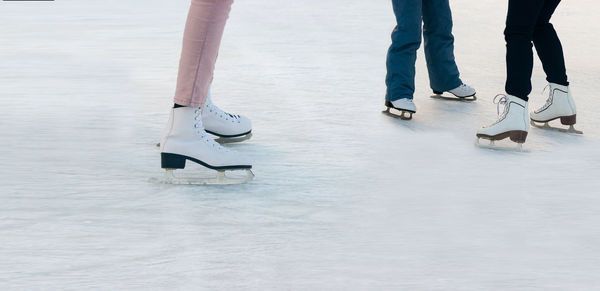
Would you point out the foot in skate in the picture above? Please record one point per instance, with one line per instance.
(512, 123)
(402, 108)
(463, 92)
(227, 127)
(186, 140)
(559, 105)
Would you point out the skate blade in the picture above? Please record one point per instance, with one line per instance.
(221, 179)
(492, 146)
(226, 140)
(546, 126)
(404, 115)
(455, 98)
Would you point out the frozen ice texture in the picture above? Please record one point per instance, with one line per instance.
(344, 197)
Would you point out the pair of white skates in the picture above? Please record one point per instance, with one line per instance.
(188, 138)
(405, 108)
(514, 121)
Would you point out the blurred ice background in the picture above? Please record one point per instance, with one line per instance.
(344, 198)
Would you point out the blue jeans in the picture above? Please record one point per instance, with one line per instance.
(435, 18)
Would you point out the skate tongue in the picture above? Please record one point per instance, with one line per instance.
(515, 99)
(558, 86)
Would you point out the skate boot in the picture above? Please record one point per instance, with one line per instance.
(186, 140)
(227, 127)
(512, 123)
(560, 105)
(463, 92)
(402, 108)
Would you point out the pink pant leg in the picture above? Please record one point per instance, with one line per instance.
(201, 41)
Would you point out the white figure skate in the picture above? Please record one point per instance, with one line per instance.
(402, 108)
(512, 123)
(463, 92)
(559, 105)
(186, 140)
(227, 127)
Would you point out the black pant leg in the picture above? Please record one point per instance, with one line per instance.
(548, 46)
(520, 25)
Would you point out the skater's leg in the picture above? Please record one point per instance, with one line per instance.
(201, 41)
(520, 24)
(548, 46)
(185, 137)
(514, 121)
(439, 45)
(406, 39)
(560, 103)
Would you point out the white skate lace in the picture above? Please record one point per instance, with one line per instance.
(502, 101)
(548, 101)
(202, 133)
(222, 114)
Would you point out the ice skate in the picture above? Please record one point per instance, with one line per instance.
(463, 92)
(401, 108)
(186, 140)
(227, 127)
(512, 123)
(559, 105)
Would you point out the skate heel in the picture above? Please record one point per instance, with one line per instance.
(518, 136)
(172, 161)
(569, 120)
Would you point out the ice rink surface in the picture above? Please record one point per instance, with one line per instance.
(344, 198)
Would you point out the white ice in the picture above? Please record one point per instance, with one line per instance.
(344, 197)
